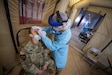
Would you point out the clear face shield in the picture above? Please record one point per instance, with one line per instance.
(58, 21)
(56, 32)
(60, 29)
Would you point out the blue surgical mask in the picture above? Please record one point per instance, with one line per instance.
(37, 37)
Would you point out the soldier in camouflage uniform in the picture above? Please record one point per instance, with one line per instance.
(35, 59)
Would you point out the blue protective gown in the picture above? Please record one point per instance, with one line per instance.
(85, 29)
(58, 47)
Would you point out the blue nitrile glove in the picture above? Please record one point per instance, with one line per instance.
(37, 27)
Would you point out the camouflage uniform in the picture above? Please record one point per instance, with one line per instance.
(35, 58)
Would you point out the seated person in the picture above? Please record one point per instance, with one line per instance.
(34, 58)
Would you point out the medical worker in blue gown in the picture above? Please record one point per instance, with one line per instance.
(60, 27)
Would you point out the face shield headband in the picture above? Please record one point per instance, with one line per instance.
(56, 32)
(59, 19)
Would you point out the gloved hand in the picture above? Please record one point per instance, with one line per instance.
(42, 33)
(37, 27)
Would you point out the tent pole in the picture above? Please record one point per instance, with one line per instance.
(10, 24)
(106, 46)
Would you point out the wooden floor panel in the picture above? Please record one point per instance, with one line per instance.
(77, 66)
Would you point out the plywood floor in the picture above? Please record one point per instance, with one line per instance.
(75, 40)
(77, 66)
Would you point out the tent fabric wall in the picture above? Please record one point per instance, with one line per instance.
(86, 3)
(103, 56)
(81, 4)
(101, 3)
(48, 10)
(7, 52)
(76, 8)
(62, 5)
(14, 14)
(73, 15)
(102, 36)
(104, 33)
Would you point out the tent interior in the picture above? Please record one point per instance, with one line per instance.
(16, 19)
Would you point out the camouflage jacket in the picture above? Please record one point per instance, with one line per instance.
(35, 57)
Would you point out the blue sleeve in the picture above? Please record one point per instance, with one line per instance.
(59, 40)
(48, 29)
(52, 45)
